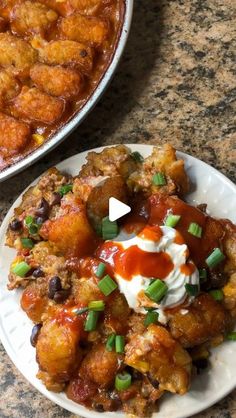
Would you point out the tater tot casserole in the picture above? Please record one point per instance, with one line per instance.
(124, 311)
(53, 54)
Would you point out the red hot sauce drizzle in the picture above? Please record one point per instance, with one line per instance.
(134, 261)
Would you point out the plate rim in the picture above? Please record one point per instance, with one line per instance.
(72, 406)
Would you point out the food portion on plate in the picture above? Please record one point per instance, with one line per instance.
(52, 56)
(123, 311)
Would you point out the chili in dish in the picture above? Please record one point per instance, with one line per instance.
(52, 56)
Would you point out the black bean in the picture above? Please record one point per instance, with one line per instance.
(56, 199)
(38, 273)
(53, 286)
(154, 382)
(61, 295)
(34, 334)
(43, 210)
(15, 225)
(98, 407)
(217, 279)
(201, 364)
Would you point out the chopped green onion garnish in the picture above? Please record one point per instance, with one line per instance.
(192, 289)
(119, 343)
(202, 275)
(29, 220)
(137, 156)
(27, 243)
(80, 311)
(107, 285)
(91, 321)
(101, 270)
(65, 189)
(33, 229)
(215, 258)
(172, 220)
(21, 269)
(159, 179)
(195, 230)
(217, 294)
(151, 318)
(96, 305)
(109, 229)
(123, 381)
(110, 342)
(231, 336)
(156, 290)
(149, 309)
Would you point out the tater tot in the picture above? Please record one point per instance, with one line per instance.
(34, 105)
(9, 86)
(14, 135)
(57, 81)
(16, 55)
(96, 364)
(66, 53)
(64, 7)
(29, 17)
(86, 29)
(88, 6)
(57, 349)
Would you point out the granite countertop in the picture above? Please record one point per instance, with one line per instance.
(176, 83)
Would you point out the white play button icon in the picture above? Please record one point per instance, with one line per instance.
(117, 209)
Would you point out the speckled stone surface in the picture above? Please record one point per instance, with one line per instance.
(176, 83)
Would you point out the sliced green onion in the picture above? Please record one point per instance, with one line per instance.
(217, 294)
(172, 220)
(149, 309)
(191, 289)
(203, 275)
(107, 285)
(29, 220)
(110, 342)
(33, 229)
(195, 230)
(151, 318)
(120, 343)
(137, 156)
(91, 321)
(96, 305)
(21, 269)
(101, 270)
(231, 336)
(27, 243)
(156, 290)
(123, 381)
(65, 189)
(159, 179)
(215, 258)
(109, 229)
(80, 311)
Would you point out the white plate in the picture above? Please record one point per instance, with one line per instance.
(210, 187)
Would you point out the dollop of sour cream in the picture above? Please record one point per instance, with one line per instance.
(183, 271)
